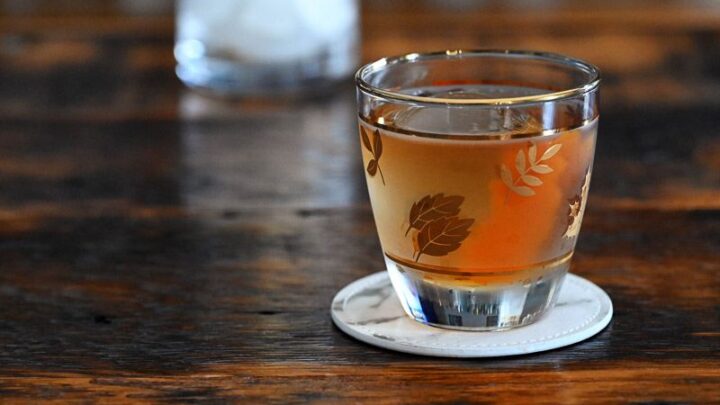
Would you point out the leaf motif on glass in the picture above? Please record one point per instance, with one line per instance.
(542, 169)
(442, 236)
(372, 167)
(430, 208)
(373, 144)
(438, 228)
(520, 162)
(532, 154)
(550, 152)
(576, 208)
(531, 180)
(523, 183)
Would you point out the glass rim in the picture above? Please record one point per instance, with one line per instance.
(589, 85)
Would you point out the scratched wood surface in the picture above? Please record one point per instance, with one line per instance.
(157, 246)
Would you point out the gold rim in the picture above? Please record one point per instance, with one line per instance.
(482, 137)
(590, 85)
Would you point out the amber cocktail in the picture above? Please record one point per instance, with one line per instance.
(478, 167)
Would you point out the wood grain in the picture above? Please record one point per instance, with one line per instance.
(158, 246)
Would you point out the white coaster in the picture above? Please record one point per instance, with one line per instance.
(367, 309)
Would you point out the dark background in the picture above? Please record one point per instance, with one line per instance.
(160, 245)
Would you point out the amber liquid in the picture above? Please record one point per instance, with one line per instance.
(508, 209)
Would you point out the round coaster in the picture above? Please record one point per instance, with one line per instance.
(367, 309)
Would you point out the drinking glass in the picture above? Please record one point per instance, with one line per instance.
(478, 166)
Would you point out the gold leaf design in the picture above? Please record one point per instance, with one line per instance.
(372, 167)
(439, 229)
(442, 236)
(431, 208)
(531, 180)
(375, 148)
(524, 191)
(377, 145)
(551, 151)
(523, 183)
(576, 208)
(532, 152)
(520, 162)
(365, 139)
(541, 169)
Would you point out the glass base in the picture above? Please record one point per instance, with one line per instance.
(476, 305)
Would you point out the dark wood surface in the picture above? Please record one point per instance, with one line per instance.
(156, 245)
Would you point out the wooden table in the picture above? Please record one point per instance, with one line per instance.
(157, 246)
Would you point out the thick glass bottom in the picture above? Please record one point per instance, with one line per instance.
(481, 302)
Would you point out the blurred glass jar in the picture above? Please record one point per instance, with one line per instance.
(266, 47)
